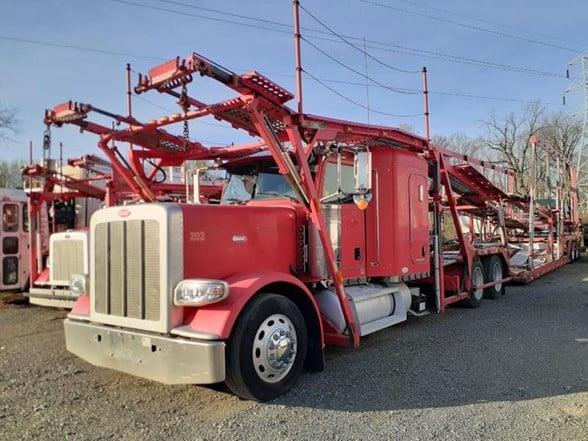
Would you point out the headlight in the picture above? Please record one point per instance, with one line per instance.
(198, 292)
(78, 284)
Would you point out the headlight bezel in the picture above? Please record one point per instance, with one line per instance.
(203, 291)
(79, 284)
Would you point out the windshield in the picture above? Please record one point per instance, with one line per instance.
(244, 187)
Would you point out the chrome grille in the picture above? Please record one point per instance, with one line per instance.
(127, 269)
(67, 258)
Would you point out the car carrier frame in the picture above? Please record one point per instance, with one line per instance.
(250, 292)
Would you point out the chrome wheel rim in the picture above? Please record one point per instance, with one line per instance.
(274, 348)
(497, 275)
(478, 280)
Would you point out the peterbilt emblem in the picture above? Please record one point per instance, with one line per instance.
(239, 238)
(124, 212)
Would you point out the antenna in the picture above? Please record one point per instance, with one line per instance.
(367, 81)
(297, 54)
(426, 104)
(129, 97)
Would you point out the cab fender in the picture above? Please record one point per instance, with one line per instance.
(218, 319)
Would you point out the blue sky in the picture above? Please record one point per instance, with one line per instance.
(34, 77)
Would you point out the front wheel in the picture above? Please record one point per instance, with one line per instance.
(267, 348)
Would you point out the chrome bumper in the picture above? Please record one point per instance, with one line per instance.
(166, 360)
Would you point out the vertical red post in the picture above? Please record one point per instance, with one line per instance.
(31, 215)
(574, 194)
(438, 269)
(61, 166)
(532, 178)
(297, 53)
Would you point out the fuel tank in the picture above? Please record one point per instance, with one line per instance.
(222, 240)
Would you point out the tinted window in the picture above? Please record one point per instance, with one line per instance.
(10, 218)
(10, 245)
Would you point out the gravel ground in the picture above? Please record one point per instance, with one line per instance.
(514, 369)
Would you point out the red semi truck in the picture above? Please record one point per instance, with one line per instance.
(333, 231)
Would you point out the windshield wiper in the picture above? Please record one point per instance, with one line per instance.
(235, 200)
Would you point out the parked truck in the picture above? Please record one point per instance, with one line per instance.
(61, 199)
(14, 270)
(326, 231)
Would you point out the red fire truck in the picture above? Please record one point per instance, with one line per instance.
(325, 231)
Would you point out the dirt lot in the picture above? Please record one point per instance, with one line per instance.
(515, 369)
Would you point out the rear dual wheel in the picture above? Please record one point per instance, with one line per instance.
(494, 271)
(476, 294)
(575, 254)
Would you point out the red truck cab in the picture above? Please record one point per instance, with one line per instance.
(239, 291)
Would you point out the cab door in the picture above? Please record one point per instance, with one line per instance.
(345, 222)
(11, 245)
(419, 218)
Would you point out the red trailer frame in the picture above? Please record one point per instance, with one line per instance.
(300, 145)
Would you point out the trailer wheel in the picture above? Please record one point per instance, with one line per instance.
(267, 348)
(576, 253)
(476, 295)
(494, 270)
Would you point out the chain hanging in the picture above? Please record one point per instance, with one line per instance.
(47, 138)
(47, 142)
(183, 102)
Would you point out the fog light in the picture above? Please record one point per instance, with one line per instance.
(198, 292)
(79, 284)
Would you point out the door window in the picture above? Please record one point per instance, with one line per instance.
(10, 245)
(10, 218)
(10, 270)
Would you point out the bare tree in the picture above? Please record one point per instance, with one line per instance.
(10, 174)
(462, 143)
(7, 121)
(562, 132)
(508, 137)
(9, 170)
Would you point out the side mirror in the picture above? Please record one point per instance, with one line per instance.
(362, 171)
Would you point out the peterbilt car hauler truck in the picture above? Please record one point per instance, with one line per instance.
(61, 199)
(332, 232)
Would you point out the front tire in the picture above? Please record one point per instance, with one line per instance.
(267, 348)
